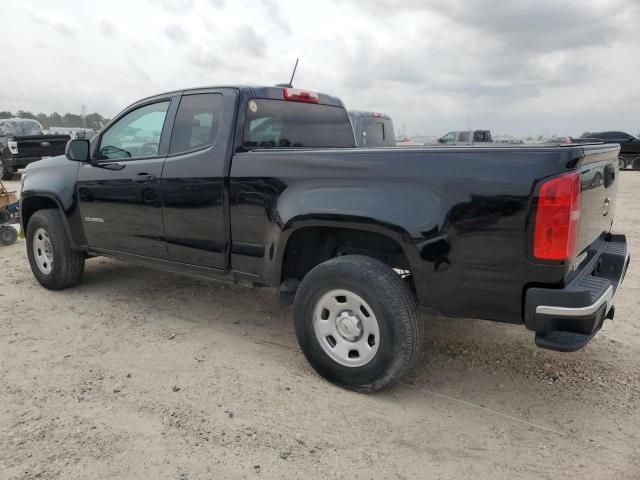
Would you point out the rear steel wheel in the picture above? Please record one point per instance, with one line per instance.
(346, 328)
(357, 322)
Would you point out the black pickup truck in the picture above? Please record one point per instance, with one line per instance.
(23, 142)
(265, 185)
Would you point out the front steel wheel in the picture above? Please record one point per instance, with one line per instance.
(42, 251)
(53, 261)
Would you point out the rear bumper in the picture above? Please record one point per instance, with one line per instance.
(566, 319)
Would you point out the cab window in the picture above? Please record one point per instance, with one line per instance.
(196, 122)
(136, 135)
(282, 124)
(449, 137)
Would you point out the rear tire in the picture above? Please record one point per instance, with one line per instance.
(6, 172)
(623, 162)
(358, 323)
(635, 163)
(8, 235)
(53, 262)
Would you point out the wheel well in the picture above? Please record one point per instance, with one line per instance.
(311, 246)
(32, 205)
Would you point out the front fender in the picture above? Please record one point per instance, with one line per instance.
(52, 182)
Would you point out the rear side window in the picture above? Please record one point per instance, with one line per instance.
(464, 137)
(196, 122)
(481, 136)
(282, 124)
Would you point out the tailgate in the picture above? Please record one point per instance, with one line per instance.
(41, 145)
(600, 177)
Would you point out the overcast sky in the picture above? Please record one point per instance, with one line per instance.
(515, 67)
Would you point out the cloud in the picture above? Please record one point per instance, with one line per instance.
(62, 25)
(175, 33)
(204, 57)
(515, 67)
(275, 14)
(174, 6)
(248, 40)
(107, 28)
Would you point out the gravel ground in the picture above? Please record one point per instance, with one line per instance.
(140, 374)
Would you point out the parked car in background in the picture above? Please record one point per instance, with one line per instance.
(629, 155)
(73, 132)
(466, 137)
(265, 185)
(23, 142)
(372, 129)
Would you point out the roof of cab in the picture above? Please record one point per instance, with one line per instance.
(275, 93)
(363, 113)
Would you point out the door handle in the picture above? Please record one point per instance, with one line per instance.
(143, 178)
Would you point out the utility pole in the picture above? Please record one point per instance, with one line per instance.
(84, 116)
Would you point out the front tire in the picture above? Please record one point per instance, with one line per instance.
(358, 323)
(53, 262)
(635, 163)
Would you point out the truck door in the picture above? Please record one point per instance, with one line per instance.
(119, 197)
(193, 180)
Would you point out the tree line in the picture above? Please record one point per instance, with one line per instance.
(94, 121)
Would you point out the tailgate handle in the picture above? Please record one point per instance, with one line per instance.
(609, 175)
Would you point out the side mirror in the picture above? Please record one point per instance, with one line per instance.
(441, 140)
(77, 150)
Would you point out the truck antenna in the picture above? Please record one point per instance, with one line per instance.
(290, 84)
(294, 73)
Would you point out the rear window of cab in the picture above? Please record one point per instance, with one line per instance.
(284, 124)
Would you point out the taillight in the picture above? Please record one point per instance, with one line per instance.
(301, 95)
(557, 218)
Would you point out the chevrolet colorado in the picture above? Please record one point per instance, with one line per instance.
(264, 184)
(23, 142)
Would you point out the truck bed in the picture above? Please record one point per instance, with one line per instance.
(462, 213)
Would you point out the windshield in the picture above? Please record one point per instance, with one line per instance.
(282, 124)
(20, 127)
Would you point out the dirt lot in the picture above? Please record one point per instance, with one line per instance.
(141, 374)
